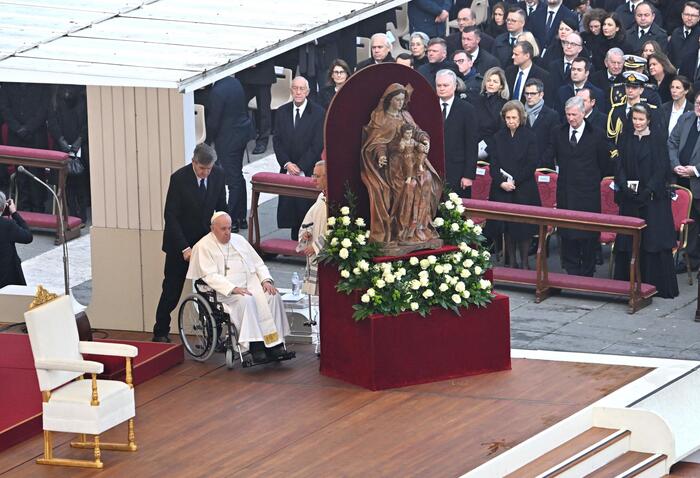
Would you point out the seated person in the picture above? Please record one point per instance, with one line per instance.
(313, 230)
(243, 284)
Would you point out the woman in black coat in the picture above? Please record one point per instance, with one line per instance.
(488, 105)
(641, 182)
(338, 74)
(514, 157)
(13, 229)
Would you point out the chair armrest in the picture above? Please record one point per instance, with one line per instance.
(105, 348)
(65, 365)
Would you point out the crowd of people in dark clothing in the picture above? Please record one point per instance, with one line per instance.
(589, 88)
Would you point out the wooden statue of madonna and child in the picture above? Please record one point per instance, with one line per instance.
(404, 188)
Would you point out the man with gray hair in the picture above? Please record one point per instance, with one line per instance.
(195, 191)
(608, 77)
(437, 60)
(581, 151)
(380, 48)
(13, 229)
(461, 134)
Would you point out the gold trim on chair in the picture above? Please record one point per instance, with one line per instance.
(42, 297)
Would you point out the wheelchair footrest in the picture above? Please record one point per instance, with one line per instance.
(249, 362)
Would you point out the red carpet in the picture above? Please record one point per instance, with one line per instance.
(20, 397)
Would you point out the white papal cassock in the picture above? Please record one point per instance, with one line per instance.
(258, 317)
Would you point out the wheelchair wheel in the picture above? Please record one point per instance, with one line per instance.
(197, 327)
(229, 358)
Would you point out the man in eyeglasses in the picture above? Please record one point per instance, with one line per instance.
(544, 22)
(468, 74)
(560, 69)
(685, 38)
(541, 119)
(644, 28)
(503, 44)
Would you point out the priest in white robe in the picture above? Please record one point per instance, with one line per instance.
(313, 231)
(230, 266)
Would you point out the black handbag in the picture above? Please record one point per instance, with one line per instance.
(75, 166)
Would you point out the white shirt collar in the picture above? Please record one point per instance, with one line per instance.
(449, 104)
(526, 73)
(301, 108)
(553, 9)
(475, 54)
(579, 131)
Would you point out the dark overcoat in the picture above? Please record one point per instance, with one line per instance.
(461, 145)
(12, 230)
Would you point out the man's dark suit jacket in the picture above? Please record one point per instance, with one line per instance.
(228, 123)
(679, 47)
(12, 230)
(370, 61)
(429, 70)
(502, 50)
(301, 145)
(454, 42)
(485, 61)
(187, 216)
(655, 32)
(537, 23)
(461, 144)
(567, 91)
(546, 122)
(535, 72)
(627, 19)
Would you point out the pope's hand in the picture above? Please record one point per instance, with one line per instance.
(240, 291)
(186, 254)
(269, 288)
(309, 251)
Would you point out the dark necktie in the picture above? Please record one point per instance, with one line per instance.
(631, 8)
(297, 117)
(567, 69)
(576, 90)
(697, 72)
(641, 32)
(529, 10)
(573, 138)
(686, 33)
(550, 19)
(444, 110)
(516, 90)
(202, 188)
(512, 41)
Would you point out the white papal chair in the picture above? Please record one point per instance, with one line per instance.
(70, 403)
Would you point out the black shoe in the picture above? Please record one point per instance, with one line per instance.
(242, 224)
(234, 226)
(257, 352)
(161, 338)
(260, 147)
(277, 352)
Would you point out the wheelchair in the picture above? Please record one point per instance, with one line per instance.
(206, 328)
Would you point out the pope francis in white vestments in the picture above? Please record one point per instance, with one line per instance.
(230, 266)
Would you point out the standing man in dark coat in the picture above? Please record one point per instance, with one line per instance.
(24, 107)
(257, 82)
(437, 60)
(581, 152)
(461, 130)
(684, 39)
(503, 44)
(429, 16)
(522, 70)
(195, 191)
(544, 22)
(380, 48)
(228, 126)
(541, 119)
(471, 42)
(645, 28)
(13, 229)
(298, 142)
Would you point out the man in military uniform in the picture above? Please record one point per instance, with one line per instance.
(649, 92)
(618, 117)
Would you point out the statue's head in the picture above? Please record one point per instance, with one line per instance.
(407, 130)
(393, 91)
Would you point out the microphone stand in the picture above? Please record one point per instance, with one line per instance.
(66, 280)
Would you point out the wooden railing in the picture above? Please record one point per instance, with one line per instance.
(545, 282)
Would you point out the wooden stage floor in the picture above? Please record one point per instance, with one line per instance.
(288, 420)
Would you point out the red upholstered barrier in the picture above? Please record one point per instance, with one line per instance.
(46, 154)
(284, 180)
(48, 221)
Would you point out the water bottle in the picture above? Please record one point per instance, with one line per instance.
(296, 284)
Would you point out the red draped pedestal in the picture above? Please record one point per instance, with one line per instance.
(383, 352)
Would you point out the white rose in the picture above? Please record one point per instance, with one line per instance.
(463, 247)
(447, 267)
(366, 233)
(343, 253)
(477, 230)
(423, 274)
(454, 197)
(380, 283)
(449, 205)
(439, 269)
(364, 298)
(454, 226)
(468, 263)
(415, 285)
(414, 305)
(466, 294)
(344, 274)
(363, 265)
(465, 274)
(432, 259)
(438, 222)
(346, 242)
(356, 271)
(401, 272)
(470, 223)
(460, 209)
(331, 221)
(443, 287)
(361, 240)
(344, 210)
(424, 263)
(456, 298)
(371, 292)
(424, 282)
(477, 270)
(460, 287)
(346, 221)
(334, 241)
(474, 253)
(486, 255)
(413, 261)
(360, 222)
(385, 266)
(484, 284)
(428, 293)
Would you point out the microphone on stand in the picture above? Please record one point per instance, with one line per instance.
(62, 224)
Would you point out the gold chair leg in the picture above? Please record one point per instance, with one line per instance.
(129, 446)
(50, 460)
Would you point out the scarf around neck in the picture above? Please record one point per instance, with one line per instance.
(534, 111)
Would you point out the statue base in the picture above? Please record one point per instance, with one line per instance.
(402, 250)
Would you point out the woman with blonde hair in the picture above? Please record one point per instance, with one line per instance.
(513, 155)
(493, 95)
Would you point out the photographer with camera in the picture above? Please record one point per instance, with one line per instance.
(13, 229)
